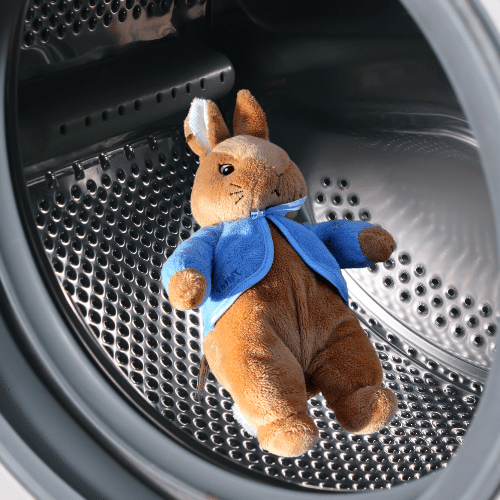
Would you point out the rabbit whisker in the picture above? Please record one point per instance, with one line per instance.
(236, 192)
(242, 196)
(235, 185)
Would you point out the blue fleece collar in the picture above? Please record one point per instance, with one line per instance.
(281, 210)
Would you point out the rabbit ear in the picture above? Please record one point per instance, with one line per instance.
(204, 127)
(249, 118)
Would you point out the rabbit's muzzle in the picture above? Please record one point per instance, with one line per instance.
(268, 190)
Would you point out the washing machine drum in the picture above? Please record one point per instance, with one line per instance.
(392, 114)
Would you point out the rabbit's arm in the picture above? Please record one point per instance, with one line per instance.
(377, 244)
(354, 244)
(187, 273)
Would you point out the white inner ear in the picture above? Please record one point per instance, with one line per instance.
(198, 122)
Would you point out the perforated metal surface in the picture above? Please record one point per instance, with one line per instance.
(415, 170)
(108, 223)
(438, 307)
(59, 30)
(447, 293)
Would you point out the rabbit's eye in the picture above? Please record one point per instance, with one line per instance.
(226, 169)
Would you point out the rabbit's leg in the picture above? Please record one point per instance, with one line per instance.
(349, 374)
(264, 379)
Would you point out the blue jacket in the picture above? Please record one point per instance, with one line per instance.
(233, 256)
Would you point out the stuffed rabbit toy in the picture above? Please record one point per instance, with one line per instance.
(273, 299)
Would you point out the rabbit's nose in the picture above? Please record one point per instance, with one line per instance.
(264, 189)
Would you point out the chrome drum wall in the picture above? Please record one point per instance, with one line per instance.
(362, 105)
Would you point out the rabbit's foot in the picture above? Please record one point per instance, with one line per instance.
(238, 416)
(289, 437)
(366, 410)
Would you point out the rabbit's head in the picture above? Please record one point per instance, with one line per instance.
(240, 174)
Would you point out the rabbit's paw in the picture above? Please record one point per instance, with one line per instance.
(187, 289)
(289, 437)
(376, 243)
(366, 410)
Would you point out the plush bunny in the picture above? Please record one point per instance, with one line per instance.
(273, 299)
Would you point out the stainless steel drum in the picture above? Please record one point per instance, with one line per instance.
(393, 117)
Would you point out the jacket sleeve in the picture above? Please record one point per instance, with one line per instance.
(342, 240)
(197, 252)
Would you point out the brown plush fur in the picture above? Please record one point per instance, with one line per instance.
(264, 176)
(249, 118)
(284, 340)
(376, 243)
(187, 289)
(290, 335)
